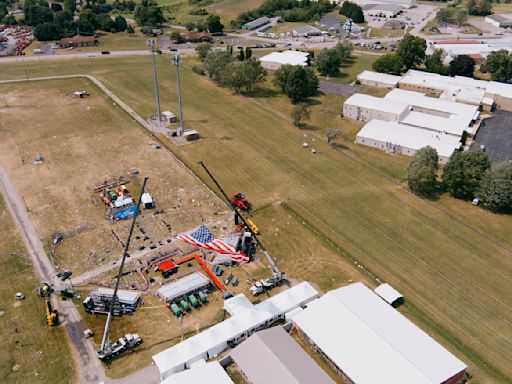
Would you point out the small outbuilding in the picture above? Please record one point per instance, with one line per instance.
(169, 117)
(500, 21)
(147, 201)
(389, 294)
(255, 24)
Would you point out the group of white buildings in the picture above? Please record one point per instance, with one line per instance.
(362, 337)
(476, 49)
(423, 109)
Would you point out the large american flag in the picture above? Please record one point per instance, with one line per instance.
(203, 238)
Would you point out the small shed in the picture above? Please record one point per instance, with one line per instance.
(147, 201)
(191, 135)
(80, 94)
(389, 294)
(169, 117)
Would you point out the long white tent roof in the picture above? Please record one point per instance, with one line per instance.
(214, 338)
(124, 296)
(371, 342)
(211, 373)
(409, 137)
(177, 288)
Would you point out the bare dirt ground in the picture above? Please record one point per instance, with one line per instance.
(83, 141)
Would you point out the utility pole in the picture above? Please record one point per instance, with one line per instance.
(177, 63)
(151, 43)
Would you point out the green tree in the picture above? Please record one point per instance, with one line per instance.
(47, 31)
(9, 20)
(148, 15)
(243, 77)
(343, 49)
(495, 190)
(422, 172)
(463, 173)
(484, 8)
(297, 83)
(331, 134)
(88, 16)
(120, 23)
(328, 62)
(462, 65)
(214, 24)
(36, 14)
(412, 51)
(248, 52)
(461, 15)
(203, 50)
(434, 63)
(352, 11)
(70, 5)
(300, 113)
(389, 63)
(215, 63)
(190, 26)
(176, 37)
(499, 65)
(241, 55)
(105, 22)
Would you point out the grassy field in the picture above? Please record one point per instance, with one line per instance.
(229, 9)
(30, 351)
(449, 258)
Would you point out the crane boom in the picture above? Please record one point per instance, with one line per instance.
(105, 341)
(239, 215)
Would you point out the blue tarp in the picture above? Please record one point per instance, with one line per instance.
(126, 213)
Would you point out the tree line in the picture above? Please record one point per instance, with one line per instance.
(288, 10)
(411, 53)
(466, 176)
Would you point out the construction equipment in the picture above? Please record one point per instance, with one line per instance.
(52, 315)
(45, 290)
(265, 285)
(238, 215)
(67, 293)
(108, 349)
(240, 201)
(128, 341)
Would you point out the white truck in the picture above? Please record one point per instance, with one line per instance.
(128, 341)
(264, 285)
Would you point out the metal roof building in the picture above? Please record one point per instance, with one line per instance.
(395, 137)
(389, 294)
(306, 30)
(259, 22)
(376, 79)
(273, 357)
(370, 342)
(402, 3)
(246, 320)
(211, 373)
(179, 288)
(275, 60)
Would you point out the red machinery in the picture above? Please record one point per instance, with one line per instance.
(239, 200)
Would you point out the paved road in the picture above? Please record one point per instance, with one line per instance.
(89, 368)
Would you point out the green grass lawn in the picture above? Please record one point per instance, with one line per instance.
(450, 259)
(229, 9)
(35, 352)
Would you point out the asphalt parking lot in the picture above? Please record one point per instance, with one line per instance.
(496, 135)
(332, 88)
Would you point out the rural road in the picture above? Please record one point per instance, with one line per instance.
(89, 369)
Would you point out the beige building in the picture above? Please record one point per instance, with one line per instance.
(378, 80)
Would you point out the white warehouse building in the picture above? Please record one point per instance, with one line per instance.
(367, 341)
(362, 107)
(394, 137)
(245, 319)
(276, 60)
(379, 80)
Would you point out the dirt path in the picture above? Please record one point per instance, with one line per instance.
(89, 369)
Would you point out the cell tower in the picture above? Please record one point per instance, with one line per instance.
(177, 63)
(152, 43)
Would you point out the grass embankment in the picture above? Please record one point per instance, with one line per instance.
(30, 351)
(450, 259)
